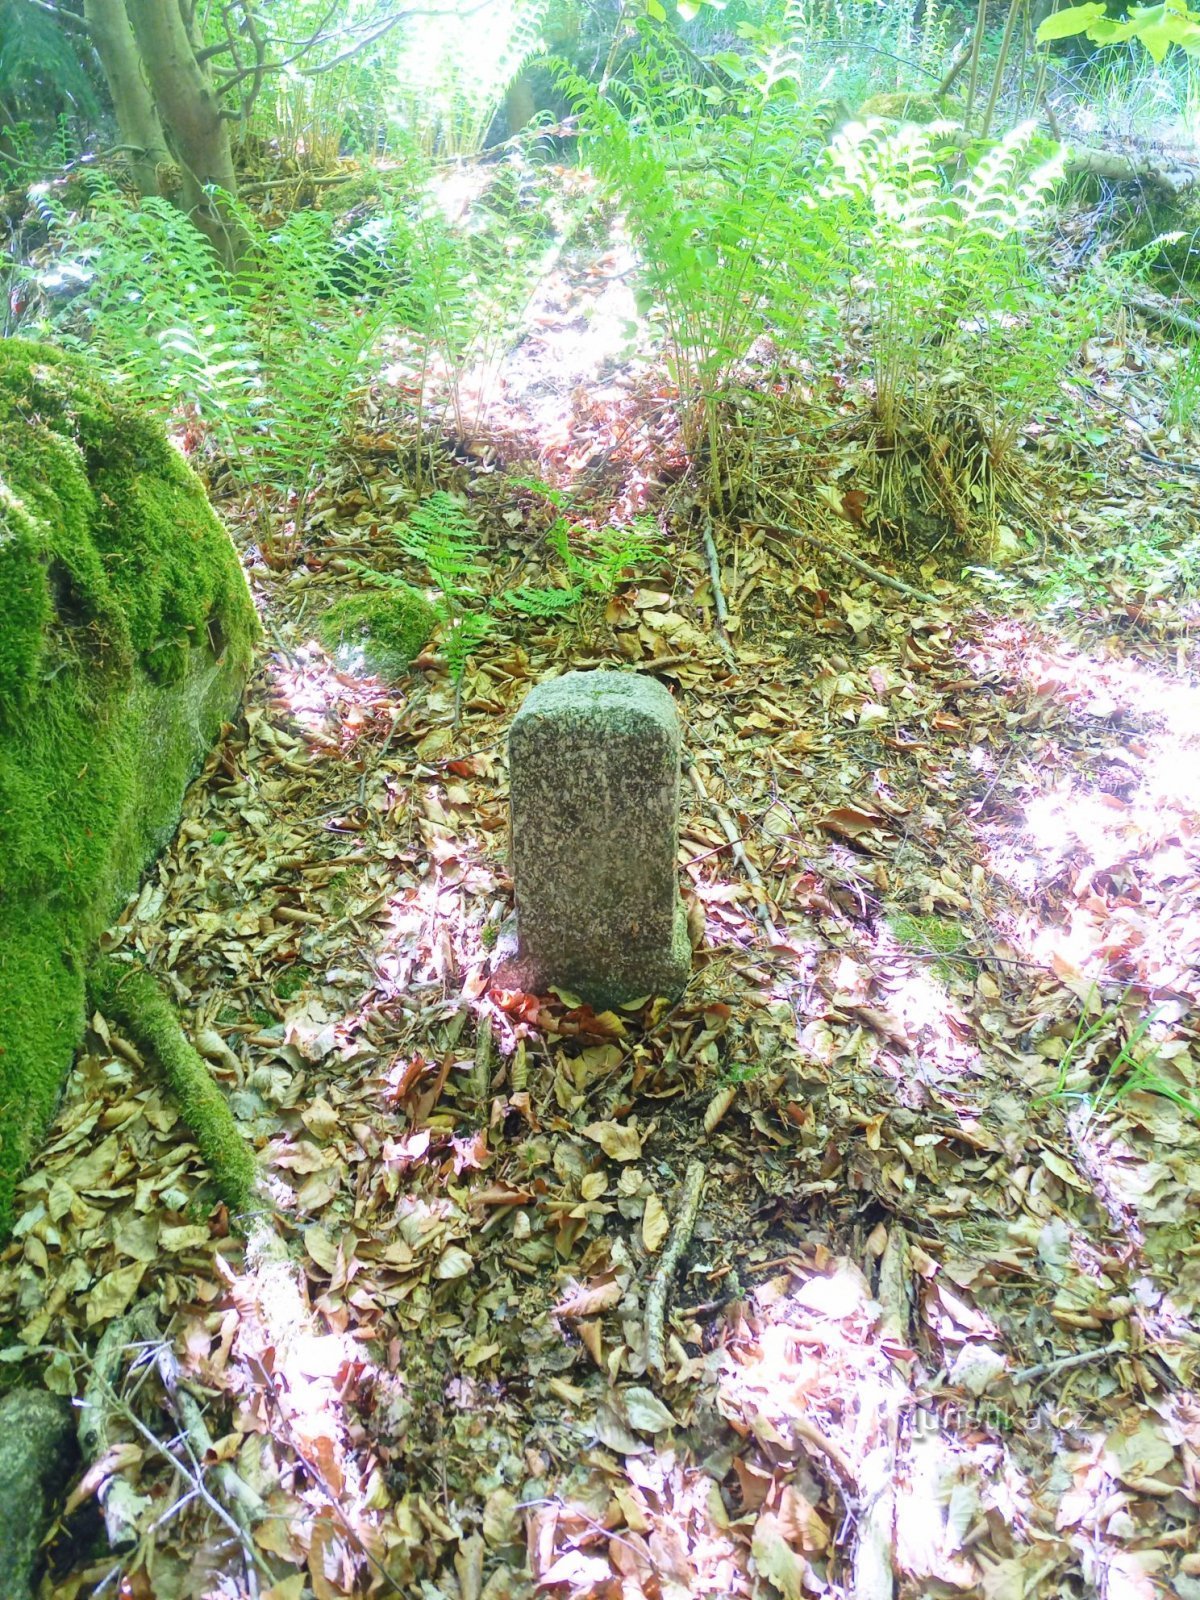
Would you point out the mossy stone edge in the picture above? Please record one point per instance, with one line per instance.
(126, 633)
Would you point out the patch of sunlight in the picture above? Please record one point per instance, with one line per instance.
(310, 689)
(279, 1334)
(939, 1032)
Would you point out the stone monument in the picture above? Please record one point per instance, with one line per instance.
(594, 793)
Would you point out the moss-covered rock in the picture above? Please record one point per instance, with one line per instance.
(126, 631)
(384, 628)
(920, 108)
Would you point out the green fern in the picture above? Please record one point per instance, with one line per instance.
(595, 563)
(463, 636)
(443, 538)
(954, 288)
(544, 604)
(448, 88)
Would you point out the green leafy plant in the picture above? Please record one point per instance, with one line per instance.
(475, 261)
(1183, 390)
(713, 177)
(1171, 23)
(269, 361)
(593, 563)
(965, 339)
(1132, 1070)
(450, 77)
(445, 540)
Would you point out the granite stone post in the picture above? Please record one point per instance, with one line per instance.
(594, 786)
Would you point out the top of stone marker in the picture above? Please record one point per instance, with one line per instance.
(600, 693)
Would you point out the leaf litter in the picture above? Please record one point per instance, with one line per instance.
(935, 1330)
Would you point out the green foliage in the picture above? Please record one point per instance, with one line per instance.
(40, 71)
(953, 290)
(475, 261)
(1171, 23)
(929, 936)
(1134, 1069)
(1145, 565)
(272, 360)
(444, 539)
(594, 564)
(386, 629)
(856, 48)
(1183, 390)
(291, 981)
(713, 179)
(125, 632)
(451, 75)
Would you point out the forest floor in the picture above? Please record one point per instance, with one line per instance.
(938, 1325)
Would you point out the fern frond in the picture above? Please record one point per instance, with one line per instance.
(441, 535)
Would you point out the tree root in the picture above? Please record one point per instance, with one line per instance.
(660, 1284)
(132, 998)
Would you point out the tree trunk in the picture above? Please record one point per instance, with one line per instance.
(187, 103)
(141, 130)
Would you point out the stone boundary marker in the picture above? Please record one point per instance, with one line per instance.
(594, 796)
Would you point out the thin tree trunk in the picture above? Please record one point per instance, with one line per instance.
(187, 103)
(141, 129)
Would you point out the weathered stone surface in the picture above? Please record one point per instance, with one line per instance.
(37, 1456)
(594, 782)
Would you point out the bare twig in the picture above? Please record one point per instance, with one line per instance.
(122, 1505)
(734, 837)
(714, 573)
(1050, 1369)
(660, 1284)
(962, 54)
(827, 547)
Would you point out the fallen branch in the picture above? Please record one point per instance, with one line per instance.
(1170, 316)
(1127, 169)
(660, 1284)
(827, 547)
(734, 839)
(121, 1504)
(1050, 1369)
(123, 1507)
(245, 1502)
(714, 573)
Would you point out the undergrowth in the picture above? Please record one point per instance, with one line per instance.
(268, 362)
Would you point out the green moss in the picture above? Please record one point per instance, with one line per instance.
(386, 628)
(126, 630)
(289, 983)
(929, 935)
(902, 108)
(130, 996)
(926, 933)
